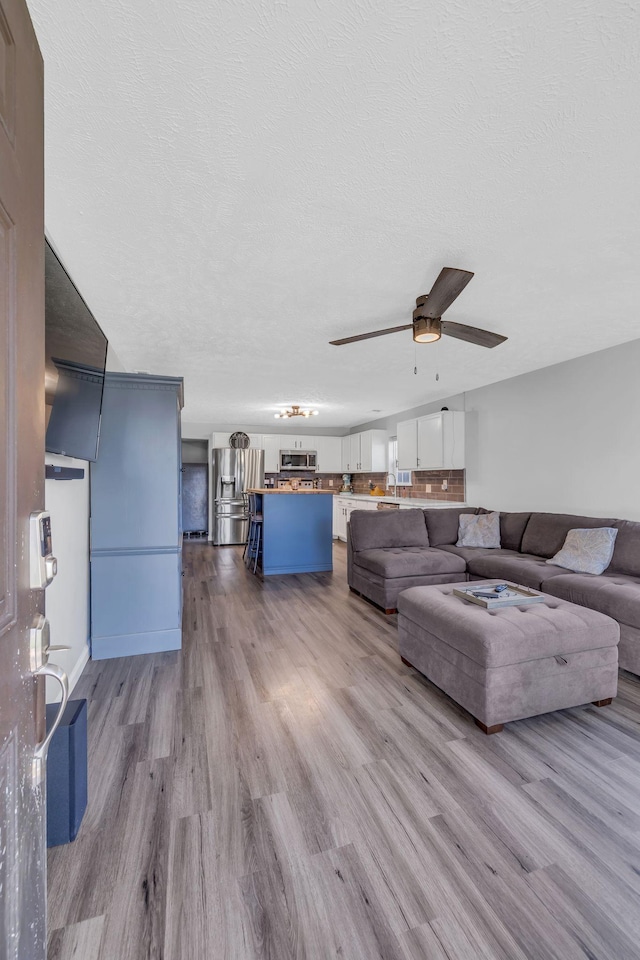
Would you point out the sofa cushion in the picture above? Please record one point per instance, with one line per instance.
(587, 551)
(443, 523)
(471, 553)
(617, 595)
(545, 533)
(390, 562)
(479, 530)
(512, 527)
(523, 568)
(387, 528)
(626, 553)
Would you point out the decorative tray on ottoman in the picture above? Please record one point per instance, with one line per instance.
(513, 596)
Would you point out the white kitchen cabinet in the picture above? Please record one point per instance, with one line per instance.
(297, 443)
(354, 452)
(441, 442)
(407, 448)
(343, 507)
(434, 442)
(329, 450)
(367, 452)
(271, 444)
(339, 522)
(346, 453)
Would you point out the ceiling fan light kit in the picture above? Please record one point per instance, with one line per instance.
(427, 325)
(295, 411)
(426, 329)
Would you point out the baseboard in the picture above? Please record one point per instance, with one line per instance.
(130, 645)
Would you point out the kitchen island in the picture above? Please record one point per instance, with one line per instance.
(296, 530)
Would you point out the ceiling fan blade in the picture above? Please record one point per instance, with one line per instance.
(449, 285)
(367, 336)
(483, 338)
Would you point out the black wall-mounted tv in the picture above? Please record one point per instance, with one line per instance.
(75, 361)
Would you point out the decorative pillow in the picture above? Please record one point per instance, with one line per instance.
(587, 551)
(482, 530)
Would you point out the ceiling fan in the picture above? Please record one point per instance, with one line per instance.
(428, 324)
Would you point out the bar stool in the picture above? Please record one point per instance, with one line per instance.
(253, 545)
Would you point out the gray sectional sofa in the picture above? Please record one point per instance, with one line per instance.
(392, 550)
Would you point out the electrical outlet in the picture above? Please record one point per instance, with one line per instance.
(428, 488)
(445, 485)
(330, 483)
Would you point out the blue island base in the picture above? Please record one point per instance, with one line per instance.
(297, 533)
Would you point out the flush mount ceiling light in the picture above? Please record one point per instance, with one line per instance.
(295, 411)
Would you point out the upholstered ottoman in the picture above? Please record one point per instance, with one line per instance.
(512, 663)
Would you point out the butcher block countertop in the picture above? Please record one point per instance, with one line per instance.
(274, 490)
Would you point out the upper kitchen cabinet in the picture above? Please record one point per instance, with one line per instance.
(272, 446)
(435, 442)
(407, 450)
(346, 453)
(329, 450)
(367, 452)
(297, 443)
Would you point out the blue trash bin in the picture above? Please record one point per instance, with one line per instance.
(66, 772)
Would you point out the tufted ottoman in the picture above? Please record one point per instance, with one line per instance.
(508, 664)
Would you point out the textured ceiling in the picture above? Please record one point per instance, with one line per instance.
(233, 184)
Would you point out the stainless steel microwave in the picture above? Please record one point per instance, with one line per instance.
(298, 459)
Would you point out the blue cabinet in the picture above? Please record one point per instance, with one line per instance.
(136, 535)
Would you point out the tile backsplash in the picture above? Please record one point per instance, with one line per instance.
(336, 478)
(427, 484)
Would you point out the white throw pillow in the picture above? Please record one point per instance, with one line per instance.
(587, 551)
(482, 530)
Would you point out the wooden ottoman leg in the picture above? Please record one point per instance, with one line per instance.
(496, 728)
(406, 662)
(602, 703)
(390, 611)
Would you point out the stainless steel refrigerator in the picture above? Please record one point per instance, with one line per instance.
(234, 473)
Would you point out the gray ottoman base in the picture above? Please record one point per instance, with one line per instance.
(496, 684)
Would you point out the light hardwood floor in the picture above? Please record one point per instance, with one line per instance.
(286, 788)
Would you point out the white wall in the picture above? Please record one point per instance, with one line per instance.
(67, 598)
(564, 439)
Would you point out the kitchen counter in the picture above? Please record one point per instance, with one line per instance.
(270, 490)
(402, 501)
